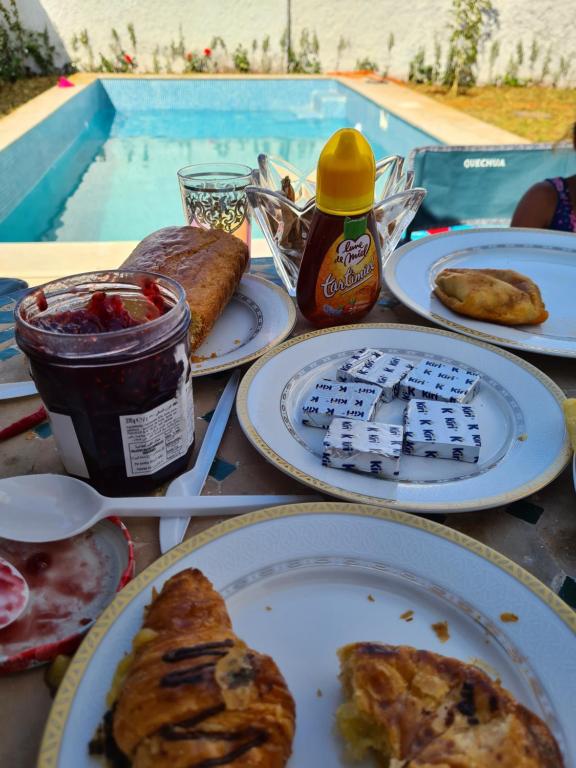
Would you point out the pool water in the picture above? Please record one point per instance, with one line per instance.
(116, 180)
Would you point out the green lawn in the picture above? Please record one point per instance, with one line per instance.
(539, 114)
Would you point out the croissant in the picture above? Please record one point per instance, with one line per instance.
(495, 295)
(192, 695)
(422, 710)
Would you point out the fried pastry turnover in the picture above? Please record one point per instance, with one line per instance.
(417, 709)
(495, 295)
(191, 694)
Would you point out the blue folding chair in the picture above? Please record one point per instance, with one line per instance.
(479, 186)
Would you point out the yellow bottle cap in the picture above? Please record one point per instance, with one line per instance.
(346, 175)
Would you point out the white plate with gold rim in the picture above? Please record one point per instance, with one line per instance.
(519, 409)
(301, 581)
(547, 257)
(259, 316)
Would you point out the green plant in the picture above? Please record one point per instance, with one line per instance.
(22, 51)
(219, 58)
(197, 62)
(343, 44)
(156, 68)
(305, 60)
(132, 35)
(389, 46)
(564, 67)
(265, 61)
(178, 48)
(419, 71)
(366, 64)
(533, 57)
(437, 68)
(511, 75)
(471, 23)
(240, 59)
(121, 60)
(545, 71)
(494, 53)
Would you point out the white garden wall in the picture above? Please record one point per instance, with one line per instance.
(364, 25)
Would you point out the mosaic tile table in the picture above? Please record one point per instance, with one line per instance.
(539, 532)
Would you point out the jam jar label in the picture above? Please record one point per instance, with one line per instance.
(154, 439)
(349, 278)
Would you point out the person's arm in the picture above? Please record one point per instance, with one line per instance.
(536, 208)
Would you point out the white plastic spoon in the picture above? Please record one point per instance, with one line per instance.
(38, 508)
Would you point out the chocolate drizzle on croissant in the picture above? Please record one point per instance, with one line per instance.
(187, 676)
(204, 649)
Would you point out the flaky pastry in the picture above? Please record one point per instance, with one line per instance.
(191, 694)
(417, 709)
(495, 295)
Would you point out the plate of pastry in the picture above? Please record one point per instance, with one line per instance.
(235, 317)
(511, 287)
(401, 416)
(302, 635)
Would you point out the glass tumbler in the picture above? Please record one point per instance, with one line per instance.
(214, 197)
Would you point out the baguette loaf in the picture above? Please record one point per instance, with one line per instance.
(208, 263)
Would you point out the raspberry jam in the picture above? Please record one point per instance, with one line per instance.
(109, 354)
(102, 314)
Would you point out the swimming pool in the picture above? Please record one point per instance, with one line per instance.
(103, 166)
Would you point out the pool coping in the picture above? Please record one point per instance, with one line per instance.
(38, 262)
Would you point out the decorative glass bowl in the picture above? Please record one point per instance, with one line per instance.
(284, 201)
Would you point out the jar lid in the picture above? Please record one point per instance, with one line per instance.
(346, 175)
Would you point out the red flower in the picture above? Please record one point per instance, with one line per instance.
(188, 57)
(207, 52)
(128, 59)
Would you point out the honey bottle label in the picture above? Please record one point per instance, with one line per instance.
(348, 281)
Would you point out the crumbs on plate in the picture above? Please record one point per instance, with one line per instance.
(371, 599)
(407, 616)
(268, 608)
(202, 358)
(319, 693)
(508, 618)
(441, 631)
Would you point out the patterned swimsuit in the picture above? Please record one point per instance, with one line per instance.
(564, 218)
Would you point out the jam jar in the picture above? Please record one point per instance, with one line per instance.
(109, 353)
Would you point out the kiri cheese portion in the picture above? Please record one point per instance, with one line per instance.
(384, 370)
(431, 380)
(363, 446)
(343, 373)
(331, 399)
(439, 430)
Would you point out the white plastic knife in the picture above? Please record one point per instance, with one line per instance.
(172, 530)
(17, 389)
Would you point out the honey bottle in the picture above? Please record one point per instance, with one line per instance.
(340, 274)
